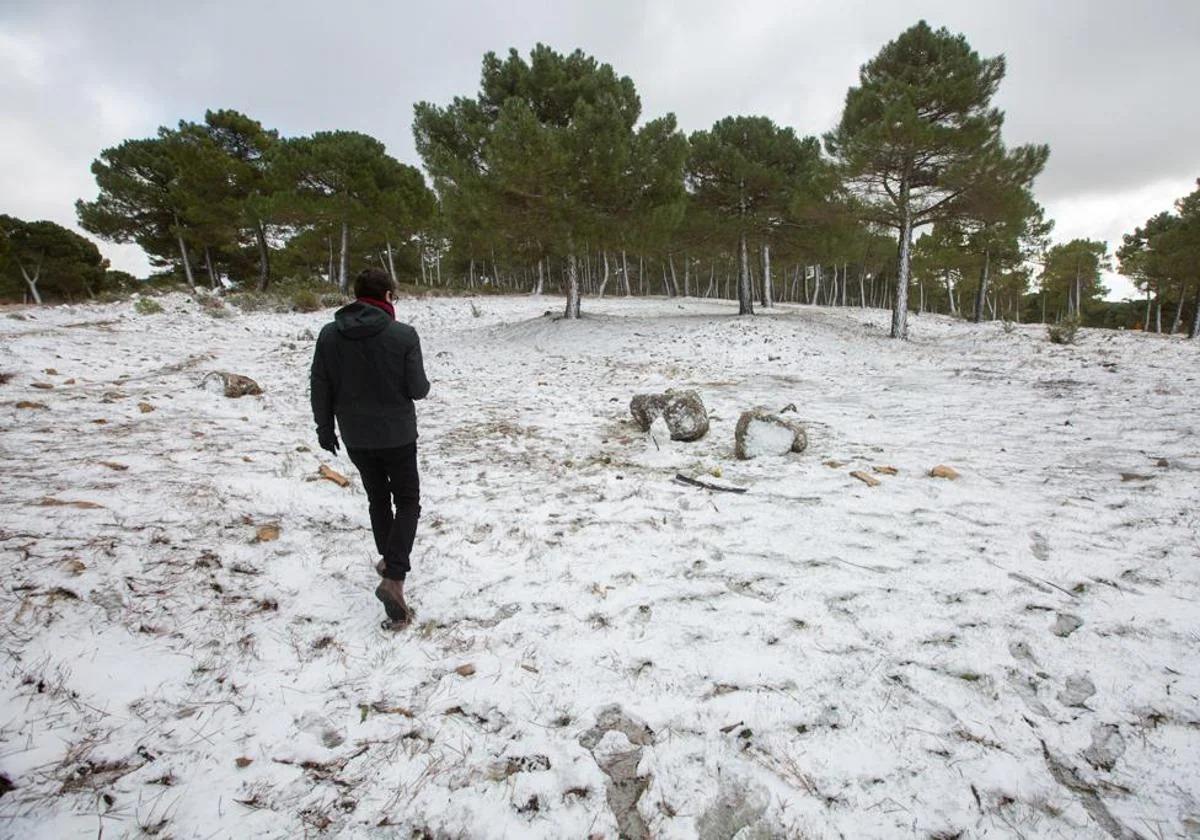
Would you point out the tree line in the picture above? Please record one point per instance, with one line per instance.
(548, 176)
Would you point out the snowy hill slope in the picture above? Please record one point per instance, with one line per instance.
(1011, 652)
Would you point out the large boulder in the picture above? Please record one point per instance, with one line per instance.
(683, 412)
(760, 433)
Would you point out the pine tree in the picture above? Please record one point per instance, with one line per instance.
(1070, 277)
(745, 176)
(142, 200)
(46, 260)
(918, 135)
(345, 183)
(546, 156)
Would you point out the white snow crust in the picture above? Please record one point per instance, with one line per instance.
(819, 657)
(766, 439)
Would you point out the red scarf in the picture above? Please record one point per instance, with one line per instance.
(380, 304)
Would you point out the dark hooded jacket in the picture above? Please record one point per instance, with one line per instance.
(366, 372)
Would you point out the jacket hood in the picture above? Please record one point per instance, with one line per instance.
(361, 320)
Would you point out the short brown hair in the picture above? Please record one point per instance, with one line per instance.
(373, 283)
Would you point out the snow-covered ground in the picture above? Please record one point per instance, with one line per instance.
(815, 658)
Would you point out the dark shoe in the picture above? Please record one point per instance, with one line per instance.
(381, 567)
(396, 609)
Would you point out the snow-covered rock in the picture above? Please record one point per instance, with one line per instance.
(683, 411)
(760, 433)
(232, 385)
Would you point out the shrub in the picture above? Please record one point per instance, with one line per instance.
(213, 305)
(305, 300)
(147, 306)
(1064, 331)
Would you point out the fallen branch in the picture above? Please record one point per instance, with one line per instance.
(328, 473)
(692, 482)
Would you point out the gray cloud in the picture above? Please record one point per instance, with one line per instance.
(1107, 84)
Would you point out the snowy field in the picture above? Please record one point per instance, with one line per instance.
(599, 650)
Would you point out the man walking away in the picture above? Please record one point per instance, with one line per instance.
(366, 372)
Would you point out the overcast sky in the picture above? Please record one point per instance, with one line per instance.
(1111, 86)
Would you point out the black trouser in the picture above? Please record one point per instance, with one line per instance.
(391, 475)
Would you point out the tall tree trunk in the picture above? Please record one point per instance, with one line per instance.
(572, 284)
(641, 275)
(1146, 319)
(1178, 309)
(920, 298)
(768, 290)
(537, 290)
(900, 308)
(745, 290)
(332, 275)
(423, 258)
(687, 276)
(625, 274)
(32, 281)
(816, 296)
(981, 293)
(1078, 291)
(471, 274)
(604, 282)
(264, 257)
(674, 289)
(862, 287)
(208, 266)
(183, 252)
(1158, 314)
(950, 291)
(344, 259)
(391, 264)
(1195, 330)
(712, 278)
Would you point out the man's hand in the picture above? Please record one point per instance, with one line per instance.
(328, 442)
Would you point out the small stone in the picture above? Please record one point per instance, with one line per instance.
(834, 465)
(37, 406)
(114, 465)
(467, 670)
(1162, 462)
(51, 372)
(865, 478)
(232, 385)
(45, 386)
(267, 533)
(1066, 624)
(243, 762)
(885, 470)
(145, 407)
(1077, 691)
(1021, 650)
(1107, 747)
(943, 471)
(74, 565)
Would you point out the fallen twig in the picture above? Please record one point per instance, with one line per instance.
(683, 479)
